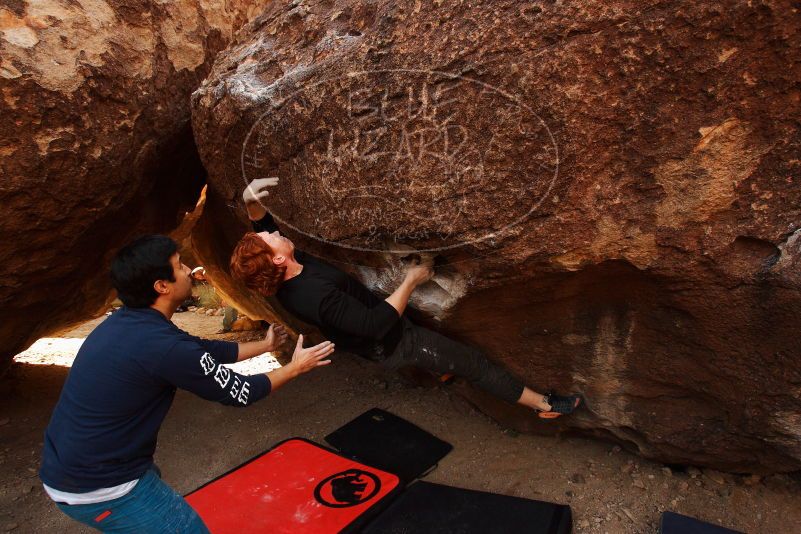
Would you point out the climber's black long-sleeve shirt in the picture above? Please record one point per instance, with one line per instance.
(345, 311)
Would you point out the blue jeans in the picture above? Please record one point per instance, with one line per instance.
(150, 507)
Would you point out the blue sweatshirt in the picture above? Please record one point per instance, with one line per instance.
(104, 427)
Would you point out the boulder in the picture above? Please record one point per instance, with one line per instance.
(95, 144)
(610, 193)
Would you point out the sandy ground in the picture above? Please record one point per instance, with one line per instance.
(609, 490)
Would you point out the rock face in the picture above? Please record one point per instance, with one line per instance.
(95, 143)
(610, 190)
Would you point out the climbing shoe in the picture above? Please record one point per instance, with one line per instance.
(560, 405)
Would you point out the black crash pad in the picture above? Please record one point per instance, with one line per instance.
(391, 443)
(673, 523)
(428, 507)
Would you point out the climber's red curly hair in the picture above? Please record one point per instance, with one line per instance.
(252, 263)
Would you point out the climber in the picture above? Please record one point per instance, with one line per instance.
(360, 322)
(97, 462)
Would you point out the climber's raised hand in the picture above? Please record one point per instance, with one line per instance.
(255, 196)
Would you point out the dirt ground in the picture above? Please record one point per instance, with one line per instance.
(610, 490)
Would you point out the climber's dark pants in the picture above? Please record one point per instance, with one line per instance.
(421, 347)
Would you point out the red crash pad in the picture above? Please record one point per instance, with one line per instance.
(297, 486)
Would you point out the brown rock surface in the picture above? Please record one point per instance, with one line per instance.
(95, 143)
(611, 191)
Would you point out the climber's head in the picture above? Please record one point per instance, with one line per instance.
(260, 261)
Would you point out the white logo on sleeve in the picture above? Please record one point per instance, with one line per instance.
(243, 395)
(235, 387)
(222, 376)
(207, 363)
(239, 391)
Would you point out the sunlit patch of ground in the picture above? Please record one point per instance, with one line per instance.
(61, 350)
(51, 351)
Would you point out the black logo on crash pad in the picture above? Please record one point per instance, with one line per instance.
(347, 488)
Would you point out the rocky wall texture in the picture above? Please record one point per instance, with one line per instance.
(95, 143)
(610, 190)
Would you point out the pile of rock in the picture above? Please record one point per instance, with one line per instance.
(200, 310)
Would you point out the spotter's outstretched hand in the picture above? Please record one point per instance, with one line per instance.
(304, 360)
(276, 336)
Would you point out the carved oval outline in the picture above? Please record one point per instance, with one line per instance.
(405, 251)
